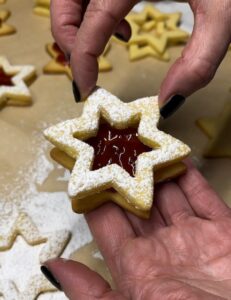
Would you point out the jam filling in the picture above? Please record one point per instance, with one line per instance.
(5, 79)
(61, 59)
(117, 146)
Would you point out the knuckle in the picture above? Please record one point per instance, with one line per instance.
(201, 70)
(101, 9)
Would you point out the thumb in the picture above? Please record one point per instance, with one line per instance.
(100, 21)
(201, 57)
(77, 281)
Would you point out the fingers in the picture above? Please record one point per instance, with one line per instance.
(202, 198)
(201, 56)
(147, 228)
(111, 230)
(66, 17)
(172, 203)
(123, 31)
(99, 23)
(77, 281)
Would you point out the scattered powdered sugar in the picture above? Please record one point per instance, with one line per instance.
(45, 222)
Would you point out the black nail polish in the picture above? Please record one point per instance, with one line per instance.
(171, 106)
(67, 57)
(76, 92)
(120, 37)
(50, 277)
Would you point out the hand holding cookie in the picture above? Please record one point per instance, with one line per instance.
(181, 252)
(84, 30)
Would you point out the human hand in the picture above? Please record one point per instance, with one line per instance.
(182, 252)
(82, 31)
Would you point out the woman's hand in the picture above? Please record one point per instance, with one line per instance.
(182, 252)
(82, 28)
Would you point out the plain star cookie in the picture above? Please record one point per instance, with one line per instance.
(60, 65)
(117, 150)
(42, 8)
(218, 129)
(5, 29)
(153, 32)
(14, 81)
(51, 245)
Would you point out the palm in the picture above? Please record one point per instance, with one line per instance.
(179, 261)
(182, 252)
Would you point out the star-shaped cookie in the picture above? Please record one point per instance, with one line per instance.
(153, 32)
(218, 131)
(135, 192)
(13, 83)
(59, 64)
(5, 29)
(52, 245)
(42, 8)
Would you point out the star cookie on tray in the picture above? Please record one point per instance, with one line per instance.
(42, 8)
(5, 29)
(116, 153)
(13, 83)
(60, 65)
(153, 32)
(218, 129)
(19, 224)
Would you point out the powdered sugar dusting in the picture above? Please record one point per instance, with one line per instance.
(69, 135)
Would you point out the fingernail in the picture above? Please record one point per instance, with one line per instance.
(50, 277)
(67, 57)
(120, 37)
(171, 106)
(76, 92)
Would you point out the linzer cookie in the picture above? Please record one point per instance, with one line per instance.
(5, 29)
(50, 245)
(60, 65)
(113, 150)
(13, 83)
(153, 32)
(42, 8)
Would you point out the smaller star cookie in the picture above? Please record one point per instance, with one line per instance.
(218, 129)
(13, 83)
(116, 147)
(153, 32)
(42, 8)
(53, 245)
(5, 29)
(60, 65)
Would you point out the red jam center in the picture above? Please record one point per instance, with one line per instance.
(117, 146)
(61, 59)
(5, 79)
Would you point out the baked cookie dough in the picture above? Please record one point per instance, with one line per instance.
(218, 130)
(60, 65)
(14, 81)
(5, 29)
(115, 147)
(153, 32)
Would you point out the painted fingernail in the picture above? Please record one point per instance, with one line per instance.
(171, 106)
(67, 57)
(47, 273)
(121, 37)
(76, 92)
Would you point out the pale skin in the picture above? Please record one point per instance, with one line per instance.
(82, 31)
(182, 252)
